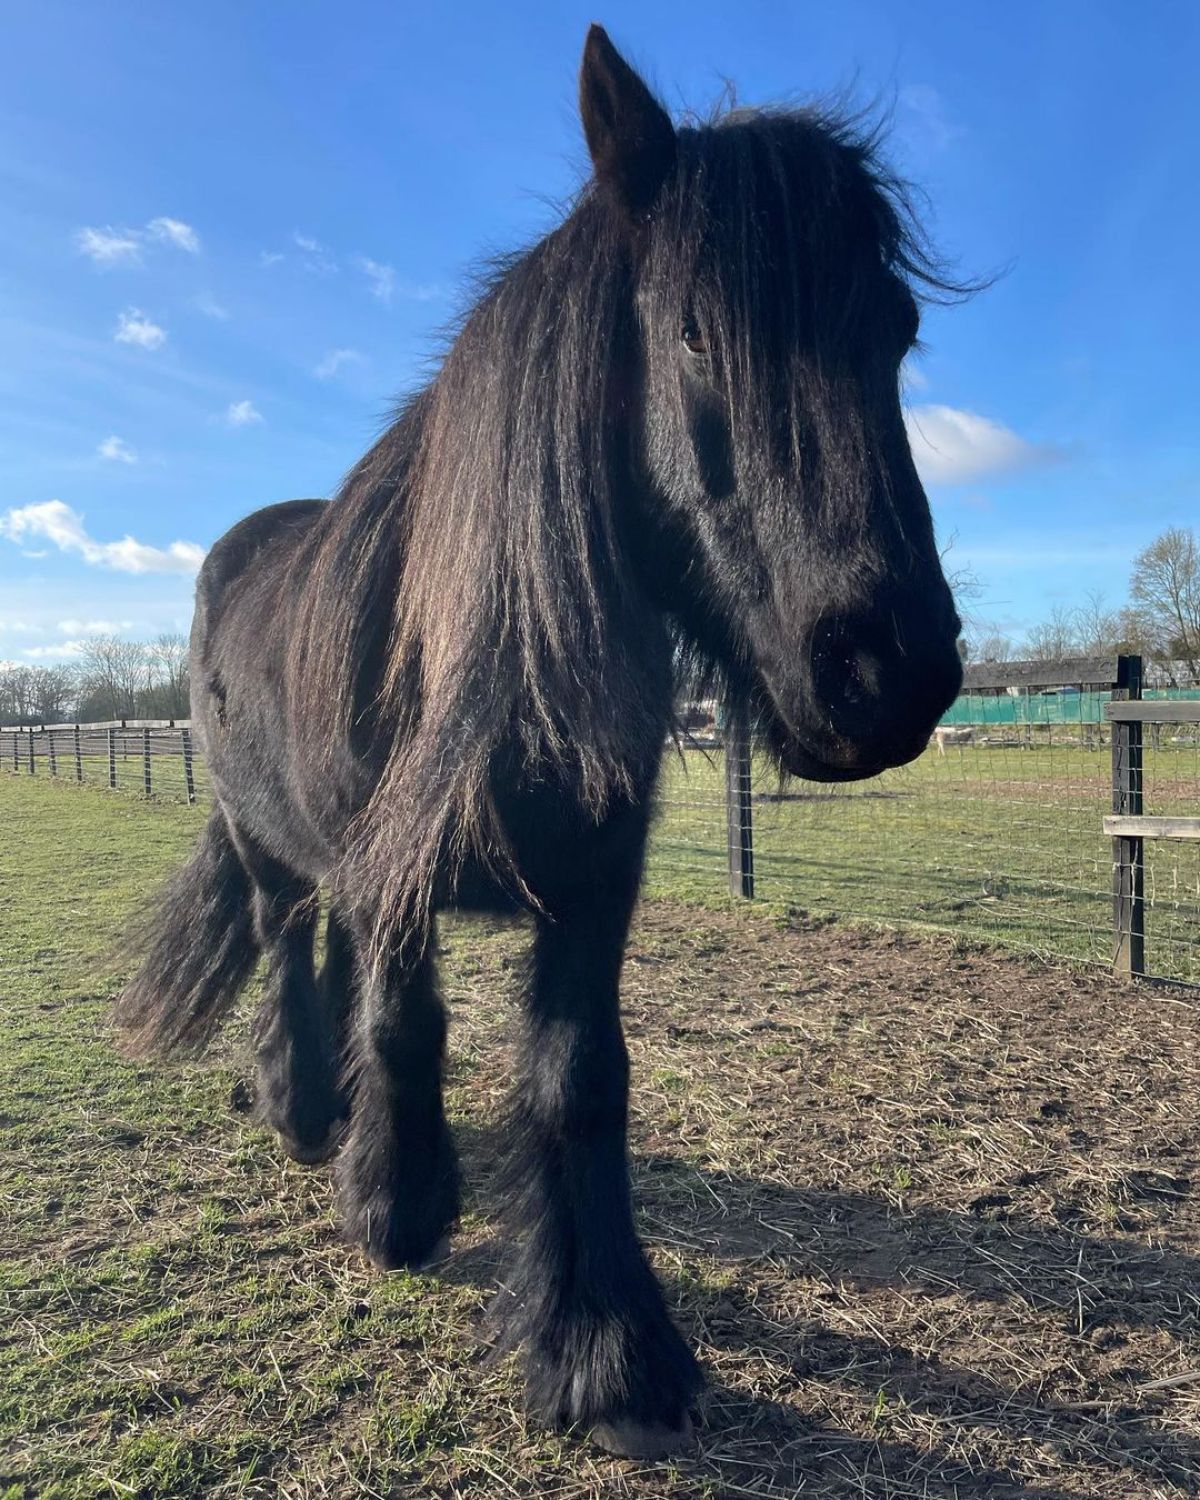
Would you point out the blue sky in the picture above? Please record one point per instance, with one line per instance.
(230, 233)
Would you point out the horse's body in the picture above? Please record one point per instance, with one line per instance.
(672, 425)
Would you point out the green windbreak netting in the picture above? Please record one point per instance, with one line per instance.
(1060, 707)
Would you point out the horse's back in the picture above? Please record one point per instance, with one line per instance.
(266, 536)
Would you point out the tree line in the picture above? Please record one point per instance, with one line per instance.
(1160, 622)
(110, 678)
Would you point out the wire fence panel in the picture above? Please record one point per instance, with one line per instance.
(995, 832)
(154, 761)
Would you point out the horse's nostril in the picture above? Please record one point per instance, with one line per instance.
(854, 689)
(847, 674)
(862, 677)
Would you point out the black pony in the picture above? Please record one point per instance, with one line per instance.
(671, 431)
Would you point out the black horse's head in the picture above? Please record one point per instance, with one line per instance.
(774, 275)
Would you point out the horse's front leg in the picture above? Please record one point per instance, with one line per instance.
(397, 1175)
(601, 1351)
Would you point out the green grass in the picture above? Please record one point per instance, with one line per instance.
(996, 842)
(999, 844)
(148, 1237)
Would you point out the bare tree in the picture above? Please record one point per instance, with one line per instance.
(1166, 587)
(991, 646)
(1098, 629)
(116, 674)
(1054, 639)
(53, 692)
(168, 657)
(16, 694)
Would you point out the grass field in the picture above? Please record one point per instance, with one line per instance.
(927, 1213)
(997, 843)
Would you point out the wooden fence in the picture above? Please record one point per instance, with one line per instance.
(155, 758)
(1129, 825)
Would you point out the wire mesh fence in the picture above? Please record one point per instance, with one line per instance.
(149, 760)
(995, 832)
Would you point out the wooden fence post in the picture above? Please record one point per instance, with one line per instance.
(78, 756)
(53, 759)
(32, 766)
(738, 806)
(1129, 868)
(112, 757)
(146, 761)
(189, 779)
(16, 752)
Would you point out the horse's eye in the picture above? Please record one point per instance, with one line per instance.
(693, 339)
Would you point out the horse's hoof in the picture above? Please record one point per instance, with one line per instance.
(439, 1253)
(311, 1155)
(415, 1265)
(644, 1439)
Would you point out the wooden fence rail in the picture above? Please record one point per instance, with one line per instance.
(1129, 826)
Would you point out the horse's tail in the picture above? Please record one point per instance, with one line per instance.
(197, 948)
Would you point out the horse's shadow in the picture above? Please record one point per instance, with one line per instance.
(932, 1419)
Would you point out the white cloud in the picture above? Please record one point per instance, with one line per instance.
(94, 627)
(334, 361)
(424, 291)
(118, 450)
(116, 247)
(316, 257)
(207, 304)
(269, 257)
(57, 651)
(110, 247)
(174, 232)
(55, 522)
(243, 414)
(382, 279)
(950, 446)
(134, 327)
(927, 117)
(912, 377)
(20, 627)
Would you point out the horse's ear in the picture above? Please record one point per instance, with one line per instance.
(629, 134)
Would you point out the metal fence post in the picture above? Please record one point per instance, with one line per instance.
(78, 756)
(1129, 868)
(112, 757)
(738, 807)
(146, 761)
(189, 779)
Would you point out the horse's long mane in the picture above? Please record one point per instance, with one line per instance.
(477, 540)
(467, 589)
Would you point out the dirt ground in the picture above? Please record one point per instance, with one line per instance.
(931, 1216)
